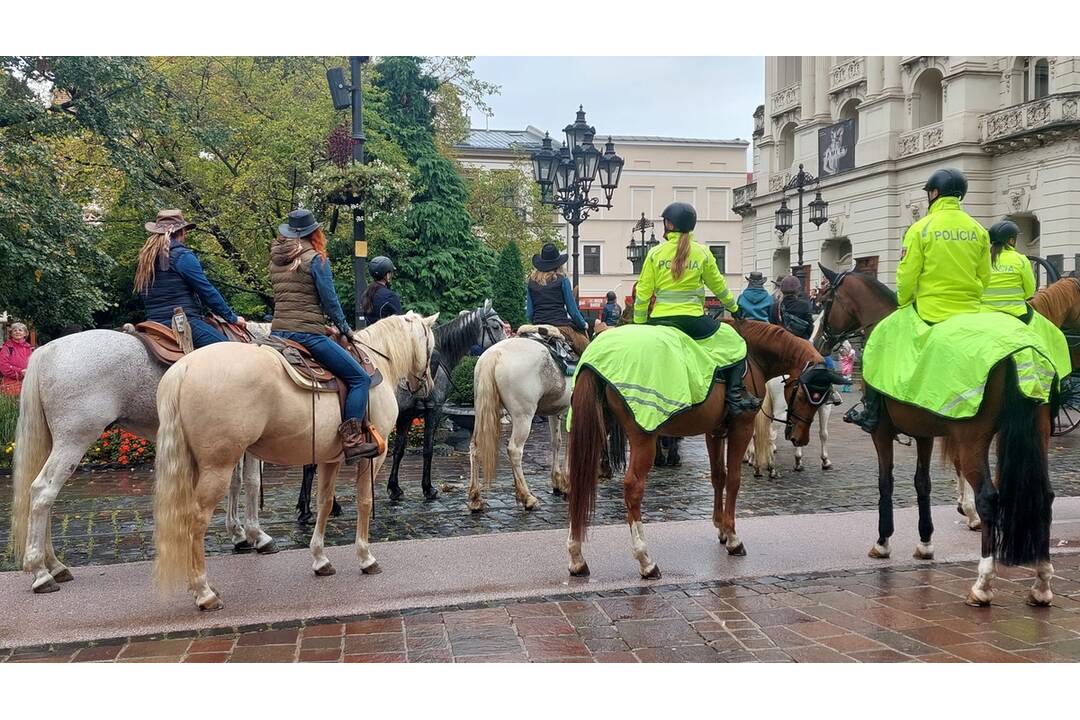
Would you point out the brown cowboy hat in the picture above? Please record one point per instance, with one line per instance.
(167, 222)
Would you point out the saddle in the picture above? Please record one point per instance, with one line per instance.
(163, 345)
(306, 371)
(557, 346)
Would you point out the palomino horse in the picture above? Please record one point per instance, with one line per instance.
(1060, 304)
(1015, 510)
(199, 440)
(599, 412)
(517, 374)
(75, 387)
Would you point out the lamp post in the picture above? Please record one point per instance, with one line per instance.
(818, 213)
(350, 96)
(636, 252)
(566, 177)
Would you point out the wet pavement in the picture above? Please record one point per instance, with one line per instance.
(106, 517)
(894, 614)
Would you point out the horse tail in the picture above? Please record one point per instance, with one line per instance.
(1025, 497)
(175, 509)
(33, 443)
(487, 403)
(587, 432)
(763, 453)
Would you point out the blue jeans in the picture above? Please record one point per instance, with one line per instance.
(338, 361)
(203, 333)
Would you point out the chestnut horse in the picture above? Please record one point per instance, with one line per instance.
(1014, 509)
(599, 412)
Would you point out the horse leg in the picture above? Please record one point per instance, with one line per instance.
(39, 558)
(519, 433)
(401, 439)
(739, 434)
(232, 513)
(251, 470)
(966, 502)
(641, 461)
(823, 435)
(924, 449)
(430, 415)
(210, 487)
(798, 459)
(559, 483)
(977, 471)
(327, 475)
(364, 503)
(303, 502)
(883, 443)
(476, 501)
(716, 474)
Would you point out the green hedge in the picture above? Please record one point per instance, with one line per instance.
(9, 416)
(461, 382)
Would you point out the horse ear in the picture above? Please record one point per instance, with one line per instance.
(431, 319)
(487, 306)
(827, 272)
(837, 379)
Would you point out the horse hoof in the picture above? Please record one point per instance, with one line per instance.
(49, 586)
(826, 466)
(325, 571)
(976, 526)
(653, 574)
(476, 509)
(335, 511)
(214, 603)
(739, 550)
(372, 569)
(1040, 600)
(242, 547)
(879, 552)
(557, 492)
(975, 600)
(798, 468)
(924, 552)
(430, 495)
(583, 571)
(63, 576)
(396, 494)
(531, 503)
(267, 549)
(304, 518)
(757, 473)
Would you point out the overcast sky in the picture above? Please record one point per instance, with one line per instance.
(704, 97)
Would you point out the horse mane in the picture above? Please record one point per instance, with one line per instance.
(777, 342)
(1057, 300)
(390, 336)
(876, 286)
(454, 339)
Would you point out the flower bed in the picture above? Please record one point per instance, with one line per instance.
(116, 448)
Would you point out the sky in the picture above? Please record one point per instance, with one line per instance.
(702, 97)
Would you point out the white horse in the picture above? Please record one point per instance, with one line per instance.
(75, 387)
(519, 375)
(761, 453)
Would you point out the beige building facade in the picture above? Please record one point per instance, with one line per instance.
(874, 128)
(657, 171)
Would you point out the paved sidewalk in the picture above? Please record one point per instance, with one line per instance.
(913, 614)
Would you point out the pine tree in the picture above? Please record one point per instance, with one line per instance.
(508, 286)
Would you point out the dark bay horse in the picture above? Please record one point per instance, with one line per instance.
(599, 412)
(1014, 508)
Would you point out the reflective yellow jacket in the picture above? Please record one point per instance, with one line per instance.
(685, 296)
(945, 264)
(1012, 283)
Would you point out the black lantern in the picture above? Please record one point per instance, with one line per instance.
(653, 242)
(586, 161)
(819, 210)
(635, 252)
(575, 132)
(783, 217)
(544, 163)
(564, 171)
(610, 169)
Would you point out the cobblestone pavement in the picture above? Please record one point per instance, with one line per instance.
(887, 615)
(106, 517)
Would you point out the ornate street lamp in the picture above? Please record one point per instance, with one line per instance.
(653, 242)
(566, 177)
(819, 213)
(636, 252)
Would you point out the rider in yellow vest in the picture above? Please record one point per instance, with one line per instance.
(944, 268)
(676, 273)
(1012, 281)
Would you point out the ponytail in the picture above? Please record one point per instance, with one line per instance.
(682, 254)
(995, 252)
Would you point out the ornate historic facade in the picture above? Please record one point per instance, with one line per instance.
(1012, 124)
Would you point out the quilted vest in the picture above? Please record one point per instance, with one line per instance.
(549, 306)
(296, 302)
(170, 291)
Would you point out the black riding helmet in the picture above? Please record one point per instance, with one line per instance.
(949, 182)
(380, 267)
(682, 216)
(1003, 231)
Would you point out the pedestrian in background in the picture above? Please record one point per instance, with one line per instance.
(847, 363)
(755, 300)
(612, 311)
(14, 357)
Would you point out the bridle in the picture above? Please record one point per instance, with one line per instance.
(827, 337)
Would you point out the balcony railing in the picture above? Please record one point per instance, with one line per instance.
(847, 73)
(742, 197)
(920, 140)
(1030, 123)
(786, 99)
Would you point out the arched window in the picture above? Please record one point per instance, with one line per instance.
(786, 149)
(788, 70)
(928, 98)
(1042, 78)
(1030, 79)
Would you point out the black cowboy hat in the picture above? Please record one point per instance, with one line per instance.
(301, 224)
(755, 279)
(549, 258)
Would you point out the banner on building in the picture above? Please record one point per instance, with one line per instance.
(836, 148)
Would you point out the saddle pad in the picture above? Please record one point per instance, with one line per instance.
(300, 380)
(943, 367)
(660, 371)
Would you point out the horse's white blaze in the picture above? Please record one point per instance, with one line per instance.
(641, 550)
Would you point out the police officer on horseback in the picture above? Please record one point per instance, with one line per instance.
(676, 273)
(1012, 281)
(944, 268)
(379, 301)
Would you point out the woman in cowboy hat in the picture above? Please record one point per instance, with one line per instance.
(755, 300)
(304, 298)
(169, 276)
(549, 299)
(379, 301)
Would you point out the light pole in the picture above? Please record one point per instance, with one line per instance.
(818, 213)
(566, 177)
(636, 252)
(350, 96)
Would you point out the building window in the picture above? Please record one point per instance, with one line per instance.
(1042, 78)
(686, 195)
(787, 147)
(719, 204)
(641, 201)
(928, 98)
(591, 262)
(720, 253)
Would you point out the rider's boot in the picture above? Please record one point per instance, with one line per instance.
(355, 443)
(866, 418)
(738, 399)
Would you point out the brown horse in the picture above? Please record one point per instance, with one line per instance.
(598, 409)
(1060, 304)
(1014, 509)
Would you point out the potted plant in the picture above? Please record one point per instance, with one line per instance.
(384, 189)
(459, 400)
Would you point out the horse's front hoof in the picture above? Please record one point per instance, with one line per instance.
(1038, 599)
(826, 465)
(431, 494)
(325, 571)
(653, 574)
(582, 571)
(372, 569)
(303, 518)
(924, 551)
(335, 511)
(396, 494)
(63, 576)
(978, 598)
(739, 550)
(243, 547)
(557, 492)
(212, 603)
(757, 473)
(267, 548)
(879, 552)
(798, 467)
(531, 503)
(48, 586)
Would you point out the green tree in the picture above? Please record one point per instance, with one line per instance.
(506, 207)
(508, 286)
